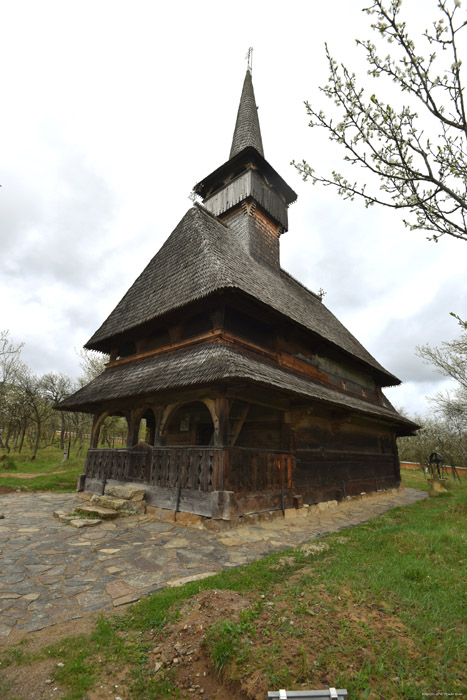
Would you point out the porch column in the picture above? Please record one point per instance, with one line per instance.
(97, 421)
(220, 407)
(221, 425)
(133, 421)
(163, 422)
(156, 437)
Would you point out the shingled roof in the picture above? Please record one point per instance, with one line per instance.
(247, 131)
(202, 257)
(208, 363)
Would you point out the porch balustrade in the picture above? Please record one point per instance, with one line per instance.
(199, 468)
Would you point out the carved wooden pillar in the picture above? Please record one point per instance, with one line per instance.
(221, 430)
(164, 421)
(96, 427)
(133, 419)
(150, 427)
(155, 439)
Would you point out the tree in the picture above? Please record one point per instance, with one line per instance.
(9, 357)
(9, 365)
(420, 160)
(451, 360)
(92, 363)
(56, 388)
(436, 434)
(34, 397)
(451, 407)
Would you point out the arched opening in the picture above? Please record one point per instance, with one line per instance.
(190, 424)
(147, 430)
(113, 432)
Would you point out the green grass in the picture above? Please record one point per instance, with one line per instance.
(228, 640)
(406, 567)
(48, 460)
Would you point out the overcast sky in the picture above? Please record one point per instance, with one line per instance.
(112, 111)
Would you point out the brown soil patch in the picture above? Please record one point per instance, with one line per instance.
(36, 681)
(182, 651)
(33, 641)
(5, 489)
(301, 637)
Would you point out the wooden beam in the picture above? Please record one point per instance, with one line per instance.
(221, 435)
(236, 423)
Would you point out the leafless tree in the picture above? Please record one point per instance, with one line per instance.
(9, 363)
(451, 407)
(56, 388)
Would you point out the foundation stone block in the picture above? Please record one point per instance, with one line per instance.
(162, 514)
(128, 493)
(98, 511)
(326, 505)
(190, 520)
(120, 504)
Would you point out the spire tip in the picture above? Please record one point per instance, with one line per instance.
(249, 58)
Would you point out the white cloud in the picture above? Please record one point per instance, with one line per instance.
(111, 112)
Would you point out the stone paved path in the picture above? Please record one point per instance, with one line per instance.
(51, 572)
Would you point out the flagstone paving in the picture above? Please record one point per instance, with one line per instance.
(51, 572)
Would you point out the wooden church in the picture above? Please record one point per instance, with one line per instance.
(254, 396)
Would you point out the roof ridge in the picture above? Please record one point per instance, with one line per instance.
(300, 284)
(209, 213)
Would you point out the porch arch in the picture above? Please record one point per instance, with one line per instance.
(189, 423)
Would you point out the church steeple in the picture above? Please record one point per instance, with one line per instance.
(246, 193)
(247, 131)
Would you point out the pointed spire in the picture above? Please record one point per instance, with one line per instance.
(247, 131)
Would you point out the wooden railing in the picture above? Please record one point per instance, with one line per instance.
(200, 468)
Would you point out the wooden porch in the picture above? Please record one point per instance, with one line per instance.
(211, 481)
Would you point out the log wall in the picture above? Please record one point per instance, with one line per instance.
(342, 457)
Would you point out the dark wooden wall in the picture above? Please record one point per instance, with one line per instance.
(335, 458)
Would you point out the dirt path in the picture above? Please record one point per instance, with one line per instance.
(15, 475)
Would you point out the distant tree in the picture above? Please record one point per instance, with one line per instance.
(437, 433)
(81, 424)
(10, 362)
(34, 398)
(56, 388)
(12, 415)
(451, 360)
(9, 357)
(92, 364)
(27, 401)
(420, 160)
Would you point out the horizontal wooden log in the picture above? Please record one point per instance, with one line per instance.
(197, 502)
(263, 501)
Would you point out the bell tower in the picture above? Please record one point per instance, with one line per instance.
(246, 192)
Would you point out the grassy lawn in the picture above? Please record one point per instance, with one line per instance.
(48, 460)
(378, 609)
